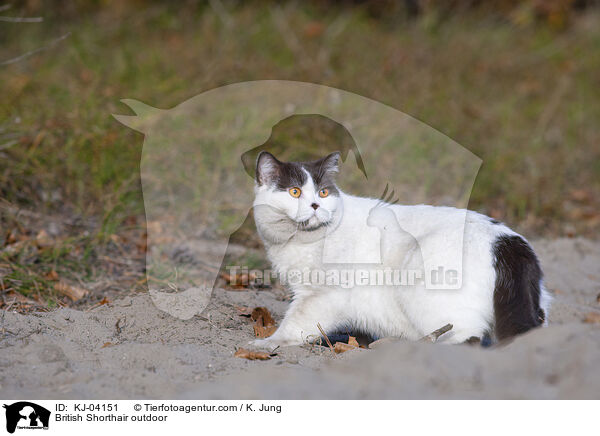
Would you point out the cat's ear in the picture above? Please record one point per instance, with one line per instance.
(267, 168)
(331, 163)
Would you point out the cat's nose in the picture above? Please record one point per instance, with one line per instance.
(315, 206)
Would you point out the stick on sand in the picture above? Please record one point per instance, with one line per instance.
(433, 337)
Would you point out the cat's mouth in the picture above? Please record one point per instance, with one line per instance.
(313, 223)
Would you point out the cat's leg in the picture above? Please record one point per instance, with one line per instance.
(300, 322)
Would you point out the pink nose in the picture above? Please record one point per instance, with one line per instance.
(315, 206)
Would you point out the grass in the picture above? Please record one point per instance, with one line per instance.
(523, 97)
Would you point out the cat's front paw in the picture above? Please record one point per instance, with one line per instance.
(271, 344)
(264, 344)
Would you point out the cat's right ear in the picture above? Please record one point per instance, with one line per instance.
(267, 168)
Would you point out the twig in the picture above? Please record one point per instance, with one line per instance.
(326, 338)
(37, 50)
(22, 20)
(118, 326)
(434, 336)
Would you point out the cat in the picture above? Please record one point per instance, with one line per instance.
(301, 214)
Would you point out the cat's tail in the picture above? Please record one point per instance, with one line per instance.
(520, 300)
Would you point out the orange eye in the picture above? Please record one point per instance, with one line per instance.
(323, 192)
(295, 192)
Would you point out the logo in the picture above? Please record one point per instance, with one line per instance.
(193, 147)
(26, 415)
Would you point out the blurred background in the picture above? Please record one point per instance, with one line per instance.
(515, 82)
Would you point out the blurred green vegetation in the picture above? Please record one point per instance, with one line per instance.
(518, 85)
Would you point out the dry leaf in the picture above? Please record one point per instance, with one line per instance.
(243, 311)
(592, 318)
(21, 298)
(581, 195)
(251, 355)
(107, 344)
(11, 237)
(342, 347)
(238, 281)
(52, 275)
(73, 292)
(100, 303)
(265, 324)
(115, 238)
(352, 341)
(43, 239)
(264, 332)
(262, 312)
(314, 29)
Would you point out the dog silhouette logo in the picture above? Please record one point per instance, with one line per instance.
(197, 193)
(26, 415)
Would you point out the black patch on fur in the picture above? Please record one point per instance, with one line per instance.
(495, 221)
(517, 292)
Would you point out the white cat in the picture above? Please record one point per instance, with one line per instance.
(303, 217)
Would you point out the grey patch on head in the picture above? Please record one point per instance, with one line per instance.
(286, 175)
(323, 172)
(283, 175)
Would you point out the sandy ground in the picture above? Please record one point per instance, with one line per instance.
(83, 355)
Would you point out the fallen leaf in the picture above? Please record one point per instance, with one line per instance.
(264, 332)
(73, 292)
(21, 298)
(107, 344)
(314, 29)
(98, 304)
(243, 311)
(352, 341)
(251, 355)
(265, 324)
(11, 238)
(581, 195)
(238, 281)
(52, 275)
(115, 238)
(154, 226)
(262, 312)
(342, 347)
(592, 318)
(43, 239)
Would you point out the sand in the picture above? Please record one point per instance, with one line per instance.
(71, 354)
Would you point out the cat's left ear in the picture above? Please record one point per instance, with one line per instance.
(331, 163)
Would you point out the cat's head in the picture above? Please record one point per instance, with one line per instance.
(301, 196)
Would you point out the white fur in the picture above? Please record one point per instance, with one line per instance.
(407, 232)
